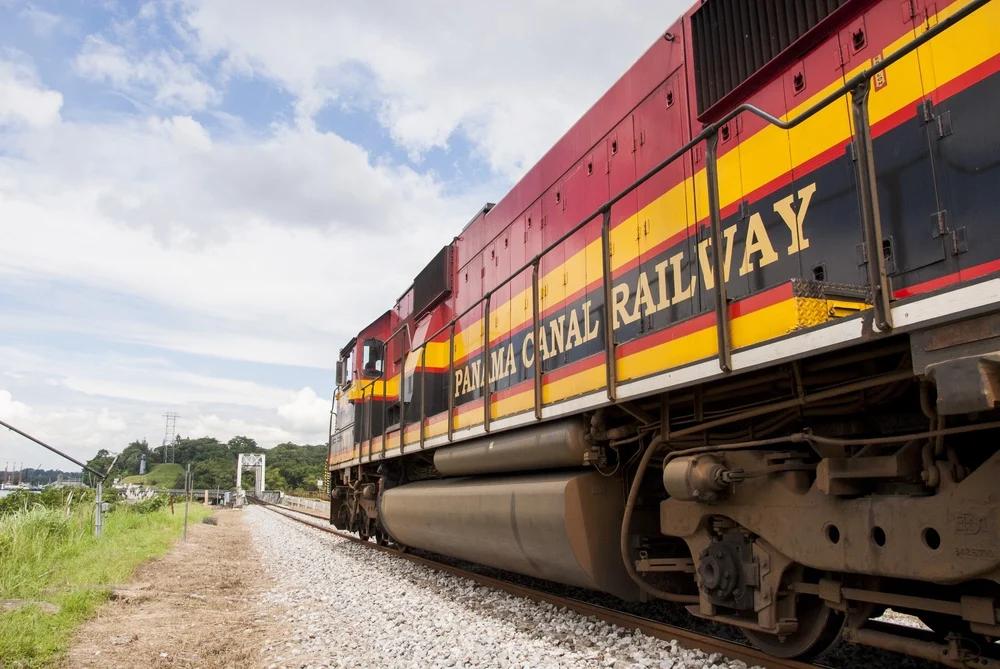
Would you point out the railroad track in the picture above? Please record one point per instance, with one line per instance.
(684, 637)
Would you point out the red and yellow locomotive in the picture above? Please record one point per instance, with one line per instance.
(734, 342)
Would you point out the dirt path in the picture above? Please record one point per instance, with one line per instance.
(195, 607)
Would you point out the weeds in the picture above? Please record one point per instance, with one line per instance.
(54, 572)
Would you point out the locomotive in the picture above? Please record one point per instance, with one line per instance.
(733, 342)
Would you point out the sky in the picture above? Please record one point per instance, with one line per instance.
(201, 202)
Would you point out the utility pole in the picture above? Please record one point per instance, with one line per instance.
(187, 498)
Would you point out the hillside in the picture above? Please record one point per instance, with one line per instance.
(169, 475)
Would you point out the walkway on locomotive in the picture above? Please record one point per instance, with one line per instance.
(785, 197)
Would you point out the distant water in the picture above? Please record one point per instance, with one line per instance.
(4, 493)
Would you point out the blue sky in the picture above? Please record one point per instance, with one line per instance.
(200, 202)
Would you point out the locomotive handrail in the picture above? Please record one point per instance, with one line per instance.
(858, 86)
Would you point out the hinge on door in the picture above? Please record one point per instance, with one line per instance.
(939, 221)
(925, 110)
(959, 241)
(928, 114)
(565, 278)
(944, 126)
(852, 152)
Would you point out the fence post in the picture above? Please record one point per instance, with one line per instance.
(187, 498)
(99, 509)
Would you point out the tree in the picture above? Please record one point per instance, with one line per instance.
(242, 444)
(101, 461)
(274, 480)
(131, 457)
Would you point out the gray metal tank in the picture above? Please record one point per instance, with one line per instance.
(556, 445)
(557, 526)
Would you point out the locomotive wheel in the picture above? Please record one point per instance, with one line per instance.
(819, 628)
(343, 518)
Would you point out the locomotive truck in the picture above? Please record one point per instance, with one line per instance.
(733, 342)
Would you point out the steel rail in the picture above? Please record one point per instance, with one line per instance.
(684, 637)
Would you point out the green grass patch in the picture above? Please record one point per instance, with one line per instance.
(50, 558)
(168, 475)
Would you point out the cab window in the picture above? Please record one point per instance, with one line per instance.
(372, 357)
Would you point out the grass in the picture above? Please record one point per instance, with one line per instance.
(50, 557)
(167, 475)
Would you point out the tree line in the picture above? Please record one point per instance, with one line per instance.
(289, 467)
(33, 476)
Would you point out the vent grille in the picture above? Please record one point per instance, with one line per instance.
(733, 39)
(433, 282)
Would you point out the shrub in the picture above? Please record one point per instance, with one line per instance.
(150, 504)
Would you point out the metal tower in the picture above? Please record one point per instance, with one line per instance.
(170, 436)
(253, 461)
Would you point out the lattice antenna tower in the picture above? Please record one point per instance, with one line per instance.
(170, 436)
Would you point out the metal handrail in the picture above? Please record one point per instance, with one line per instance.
(858, 86)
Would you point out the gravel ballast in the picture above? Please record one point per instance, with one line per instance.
(344, 605)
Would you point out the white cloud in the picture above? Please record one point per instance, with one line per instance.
(23, 100)
(43, 23)
(172, 81)
(80, 432)
(111, 406)
(10, 409)
(511, 78)
(307, 412)
(272, 251)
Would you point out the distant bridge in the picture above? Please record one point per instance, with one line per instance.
(213, 495)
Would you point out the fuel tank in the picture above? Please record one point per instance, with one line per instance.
(555, 445)
(556, 526)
